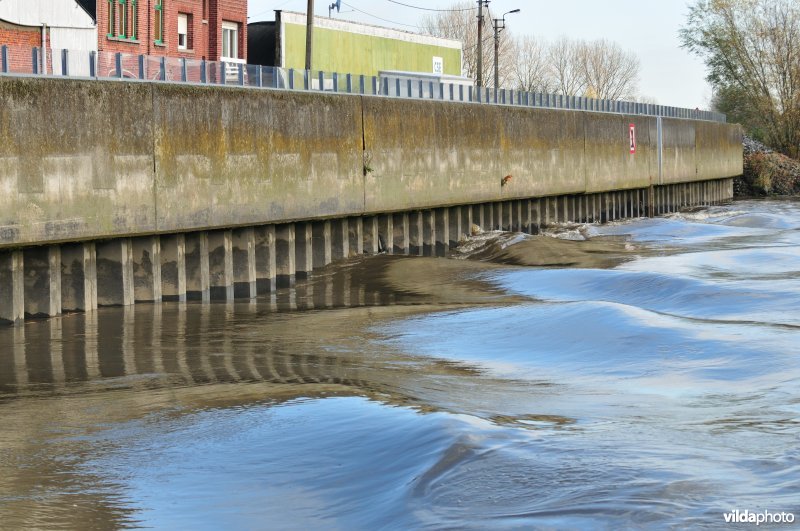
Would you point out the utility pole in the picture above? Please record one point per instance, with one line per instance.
(479, 79)
(309, 32)
(499, 25)
(496, 53)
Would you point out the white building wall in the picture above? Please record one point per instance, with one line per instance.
(70, 27)
(55, 13)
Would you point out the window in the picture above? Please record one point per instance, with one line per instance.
(134, 22)
(230, 40)
(122, 27)
(158, 27)
(111, 18)
(183, 31)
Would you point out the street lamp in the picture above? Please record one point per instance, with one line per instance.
(499, 25)
(481, 4)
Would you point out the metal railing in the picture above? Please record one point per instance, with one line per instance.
(16, 60)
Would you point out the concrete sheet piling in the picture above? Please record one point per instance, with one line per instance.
(285, 255)
(115, 273)
(266, 262)
(78, 277)
(197, 266)
(220, 264)
(146, 253)
(173, 267)
(12, 290)
(244, 263)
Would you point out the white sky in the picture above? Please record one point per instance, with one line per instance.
(648, 27)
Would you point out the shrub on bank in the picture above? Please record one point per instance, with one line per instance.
(766, 172)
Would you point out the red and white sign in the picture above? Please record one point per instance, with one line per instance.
(632, 136)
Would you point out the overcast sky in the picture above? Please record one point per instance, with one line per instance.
(648, 27)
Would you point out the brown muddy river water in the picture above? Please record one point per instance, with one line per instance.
(640, 374)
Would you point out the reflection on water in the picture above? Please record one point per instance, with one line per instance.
(642, 373)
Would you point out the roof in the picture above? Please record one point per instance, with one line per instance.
(90, 6)
(293, 17)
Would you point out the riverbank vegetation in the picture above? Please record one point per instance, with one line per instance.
(752, 51)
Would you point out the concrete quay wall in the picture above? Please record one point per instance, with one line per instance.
(93, 160)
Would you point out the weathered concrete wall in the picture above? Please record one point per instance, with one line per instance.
(83, 160)
(234, 157)
(76, 159)
(456, 153)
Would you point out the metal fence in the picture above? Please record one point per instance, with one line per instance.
(16, 60)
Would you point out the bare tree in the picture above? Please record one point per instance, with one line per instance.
(531, 71)
(752, 50)
(599, 69)
(461, 23)
(566, 71)
(608, 71)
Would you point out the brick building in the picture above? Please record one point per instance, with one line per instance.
(52, 24)
(191, 29)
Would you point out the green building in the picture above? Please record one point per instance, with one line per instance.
(349, 47)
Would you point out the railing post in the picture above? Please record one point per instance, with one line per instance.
(291, 79)
(163, 68)
(409, 89)
(461, 93)
(386, 86)
(375, 88)
(241, 74)
(92, 64)
(349, 83)
(276, 77)
(223, 72)
(421, 90)
(361, 84)
(306, 80)
(65, 62)
(184, 73)
(35, 60)
(469, 93)
(141, 67)
(430, 88)
(118, 64)
(441, 91)
(4, 59)
(203, 71)
(452, 92)
(397, 86)
(259, 76)
(335, 78)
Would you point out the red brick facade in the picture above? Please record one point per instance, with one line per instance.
(20, 40)
(205, 19)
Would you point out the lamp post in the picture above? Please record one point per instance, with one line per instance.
(499, 25)
(479, 77)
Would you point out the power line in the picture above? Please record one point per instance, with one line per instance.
(379, 18)
(431, 9)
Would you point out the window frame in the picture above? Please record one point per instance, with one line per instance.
(111, 18)
(230, 27)
(133, 22)
(158, 6)
(122, 23)
(185, 46)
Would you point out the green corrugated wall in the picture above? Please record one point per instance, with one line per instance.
(351, 53)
